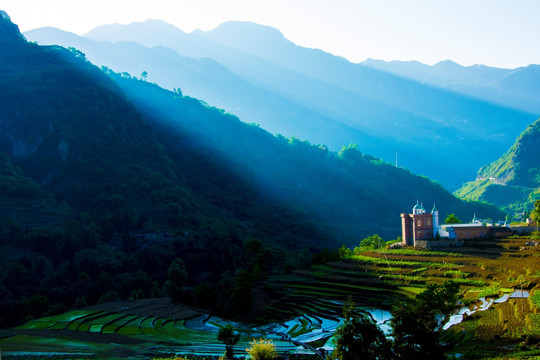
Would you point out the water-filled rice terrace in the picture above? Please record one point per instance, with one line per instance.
(305, 308)
(88, 333)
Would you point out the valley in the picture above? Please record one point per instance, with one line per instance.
(248, 184)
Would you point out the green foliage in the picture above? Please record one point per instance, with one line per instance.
(262, 349)
(344, 252)
(415, 327)
(359, 337)
(176, 279)
(456, 274)
(511, 182)
(13, 183)
(535, 213)
(79, 54)
(325, 256)
(242, 297)
(109, 296)
(228, 337)
(37, 306)
(370, 243)
(452, 219)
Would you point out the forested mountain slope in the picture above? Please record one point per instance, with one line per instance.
(150, 193)
(513, 181)
(350, 192)
(205, 79)
(384, 112)
(83, 173)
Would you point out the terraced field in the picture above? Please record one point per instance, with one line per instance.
(92, 333)
(307, 307)
(486, 270)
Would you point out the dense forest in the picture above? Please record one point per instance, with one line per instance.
(112, 187)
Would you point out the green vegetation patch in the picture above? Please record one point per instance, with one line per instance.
(57, 321)
(411, 290)
(417, 252)
(534, 299)
(401, 263)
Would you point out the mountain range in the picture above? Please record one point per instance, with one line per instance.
(516, 88)
(99, 143)
(254, 72)
(115, 188)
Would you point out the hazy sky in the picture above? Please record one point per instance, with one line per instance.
(501, 33)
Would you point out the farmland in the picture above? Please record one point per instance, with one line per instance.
(305, 307)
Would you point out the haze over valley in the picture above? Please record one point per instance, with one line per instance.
(254, 72)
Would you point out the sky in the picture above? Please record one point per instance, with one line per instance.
(500, 33)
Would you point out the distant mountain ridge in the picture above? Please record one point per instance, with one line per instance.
(517, 88)
(336, 103)
(513, 181)
(112, 143)
(207, 80)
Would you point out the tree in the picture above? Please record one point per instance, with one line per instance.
(535, 213)
(37, 306)
(371, 242)
(415, 325)
(176, 278)
(359, 337)
(242, 293)
(144, 75)
(79, 54)
(228, 337)
(452, 219)
(262, 349)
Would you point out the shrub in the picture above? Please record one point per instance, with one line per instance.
(227, 336)
(262, 349)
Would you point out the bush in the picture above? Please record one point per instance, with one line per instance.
(108, 297)
(262, 349)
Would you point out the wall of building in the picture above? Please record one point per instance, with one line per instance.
(472, 232)
(406, 230)
(442, 243)
(423, 226)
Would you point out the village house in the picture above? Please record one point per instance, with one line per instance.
(422, 229)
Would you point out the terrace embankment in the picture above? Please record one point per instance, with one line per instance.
(483, 268)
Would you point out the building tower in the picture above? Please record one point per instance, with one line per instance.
(416, 226)
(418, 208)
(435, 214)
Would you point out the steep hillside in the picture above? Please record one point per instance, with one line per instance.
(72, 129)
(119, 189)
(207, 80)
(350, 193)
(97, 203)
(418, 120)
(513, 181)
